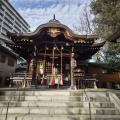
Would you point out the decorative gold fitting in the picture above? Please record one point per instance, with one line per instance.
(81, 41)
(53, 30)
(31, 40)
(24, 39)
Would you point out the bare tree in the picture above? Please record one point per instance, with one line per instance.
(86, 26)
(84, 23)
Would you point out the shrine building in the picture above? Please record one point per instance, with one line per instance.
(54, 54)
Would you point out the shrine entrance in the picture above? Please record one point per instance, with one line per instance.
(52, 52)
(54, 74)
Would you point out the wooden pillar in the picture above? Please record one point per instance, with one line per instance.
(33, 84)
(28, 65)
(71, 73)
(34, 71)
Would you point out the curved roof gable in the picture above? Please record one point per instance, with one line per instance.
(52, 28)
(63, 28)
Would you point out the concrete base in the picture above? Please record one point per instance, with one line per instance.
(33, 86)
(73, 88)
(118, 86)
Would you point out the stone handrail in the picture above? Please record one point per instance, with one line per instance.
(91, 78)
(21, 79)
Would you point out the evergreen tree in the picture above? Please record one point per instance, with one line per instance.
(107, 20)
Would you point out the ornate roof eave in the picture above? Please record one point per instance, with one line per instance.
(9, 51)
(98, 44)
(115, 37)
(56, 25)
(8, 41)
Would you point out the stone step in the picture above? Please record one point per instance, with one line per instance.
(59, 117)
(59, 111)
(57, 104)
(55, 93)
(39, 93)
(89, 94)
(118, 95)
(54, 98)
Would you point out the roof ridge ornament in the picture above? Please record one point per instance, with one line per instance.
(54, 17)
(54, 21)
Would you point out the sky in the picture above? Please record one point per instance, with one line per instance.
(37, 12)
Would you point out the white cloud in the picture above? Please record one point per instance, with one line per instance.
(67, 11)
(60, 1)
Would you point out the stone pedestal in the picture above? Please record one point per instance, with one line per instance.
(94, 84)
(118, 86)
(33, 87)
(73, 87)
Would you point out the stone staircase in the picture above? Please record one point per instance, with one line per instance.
(118, 94)
(57, 105)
